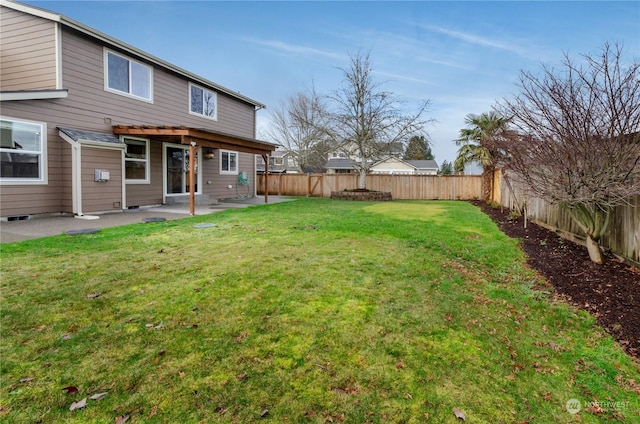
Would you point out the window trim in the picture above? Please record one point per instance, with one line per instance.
(222, 172)
(43, 168)
(147, 161)
(124, 93)
(202, 115)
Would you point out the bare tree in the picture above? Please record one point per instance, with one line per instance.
(577, 137)
(367, 122)
(297, 126)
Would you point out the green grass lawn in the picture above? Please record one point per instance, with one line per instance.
(307, 311)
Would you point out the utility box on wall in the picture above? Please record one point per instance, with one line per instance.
(101, 175)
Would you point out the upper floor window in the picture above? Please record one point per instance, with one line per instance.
(22, 151)
(136, 160)
(128, 77)
(228, 162)
(203, 102)
(279, 161)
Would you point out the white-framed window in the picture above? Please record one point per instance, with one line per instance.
(127, 77)
(228, 162)
(23, 147)
(203, 102)
(136, 160)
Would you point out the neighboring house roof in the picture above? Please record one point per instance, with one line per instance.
(339, 163)
(82, 135)
(423, 164)
(56, 17)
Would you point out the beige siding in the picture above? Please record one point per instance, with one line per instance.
(218, 189)
(101, 196)
(28, 52)
(148, 194)
(83, 75)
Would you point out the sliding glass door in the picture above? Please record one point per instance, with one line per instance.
(176, 159)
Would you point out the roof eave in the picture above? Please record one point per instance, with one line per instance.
(33, 95)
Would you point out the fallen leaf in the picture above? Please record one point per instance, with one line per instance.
(264, 413)
(400, 365)
(153, 412)
(98, 396)
(93, 295)
(66, 336)
(242, 337)
(459, 414)
(121, 420)
(78, 405)
(71, 390)
(26, 379)
(242, 376)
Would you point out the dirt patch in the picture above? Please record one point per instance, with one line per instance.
(610, 292)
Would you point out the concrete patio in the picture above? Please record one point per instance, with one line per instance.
(50, 225)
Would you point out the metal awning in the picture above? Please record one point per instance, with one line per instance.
(90, 136)
(202, 138)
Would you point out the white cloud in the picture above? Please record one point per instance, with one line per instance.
(295, 49)
(514, 47)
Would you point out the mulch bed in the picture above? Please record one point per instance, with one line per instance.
(610, 292)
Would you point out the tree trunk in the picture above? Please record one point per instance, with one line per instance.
(595, 254)
(487, 183)
(362, 180)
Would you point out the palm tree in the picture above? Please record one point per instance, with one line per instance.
(475, 146)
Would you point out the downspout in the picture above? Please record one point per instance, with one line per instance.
(124, 180)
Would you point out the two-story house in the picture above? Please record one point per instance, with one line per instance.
(280, 162)
(90, 124)
(344, 161)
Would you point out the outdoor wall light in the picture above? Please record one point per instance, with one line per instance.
(208, 154)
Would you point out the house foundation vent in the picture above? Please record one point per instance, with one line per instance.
(19, 218)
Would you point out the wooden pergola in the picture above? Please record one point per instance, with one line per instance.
(196, 138)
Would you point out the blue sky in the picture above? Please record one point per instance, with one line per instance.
(462, 56)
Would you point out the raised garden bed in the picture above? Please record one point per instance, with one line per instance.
(375, 196)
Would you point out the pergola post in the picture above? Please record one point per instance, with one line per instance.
(266, 178)
(193, 149)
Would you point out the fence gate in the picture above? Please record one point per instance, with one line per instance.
(315, 185)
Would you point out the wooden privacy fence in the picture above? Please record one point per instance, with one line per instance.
(408, 187)
(622, 236)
